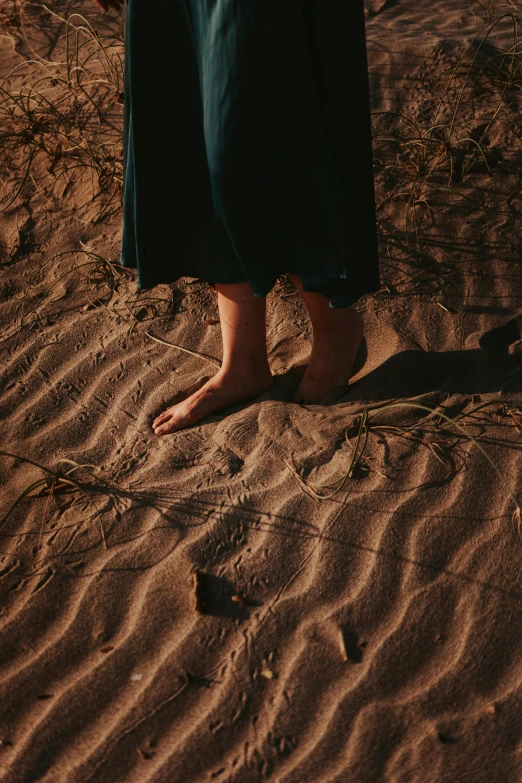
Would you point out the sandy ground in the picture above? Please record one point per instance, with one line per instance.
(193, 608)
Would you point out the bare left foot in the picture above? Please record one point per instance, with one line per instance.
(333, 358)
(226, 388)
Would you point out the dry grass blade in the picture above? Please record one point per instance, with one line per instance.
(95, 260)
(198, 354)
(339, 485)
(375, 412)
(106, 271)
(51, 478)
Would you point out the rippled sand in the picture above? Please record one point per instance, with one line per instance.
(234, 627)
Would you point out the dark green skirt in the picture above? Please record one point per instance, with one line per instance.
(247, 145)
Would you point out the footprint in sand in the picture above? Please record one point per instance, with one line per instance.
(505, 338)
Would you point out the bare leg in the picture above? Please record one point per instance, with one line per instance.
(244, 373)
(337, 334)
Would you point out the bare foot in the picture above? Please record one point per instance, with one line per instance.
(333, 357)
(226, 388)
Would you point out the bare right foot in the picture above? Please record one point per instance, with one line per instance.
(227, 387)
(333, 357)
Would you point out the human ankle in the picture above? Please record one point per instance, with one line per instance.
(246, 366)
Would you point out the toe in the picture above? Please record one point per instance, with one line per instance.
(161, 418)
(160, 426)
(171, 424)
(163, 429)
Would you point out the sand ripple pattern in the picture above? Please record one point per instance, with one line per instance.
(379, 634)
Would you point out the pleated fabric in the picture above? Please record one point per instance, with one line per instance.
(247, 145)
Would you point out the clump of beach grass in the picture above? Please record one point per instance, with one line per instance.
(61, 482)
(61, 128)
(454, 141)
(364, 424)
(490, 8)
